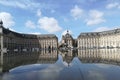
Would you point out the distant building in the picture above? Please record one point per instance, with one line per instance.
(69, 42)
(13, 41)
(23, 45)
(100, 45)
(103, 46)
(67, 39)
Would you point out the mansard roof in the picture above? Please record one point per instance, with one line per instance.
(90, 34)
(109, 32)
(67, 35)
(29, 36)
(46, 35)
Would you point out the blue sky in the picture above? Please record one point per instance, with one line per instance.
(56, 16)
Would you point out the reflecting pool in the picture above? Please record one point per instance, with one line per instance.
(61, 70)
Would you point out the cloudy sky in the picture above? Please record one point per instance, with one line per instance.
(57, 16)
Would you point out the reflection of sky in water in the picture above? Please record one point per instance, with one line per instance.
(61, 71)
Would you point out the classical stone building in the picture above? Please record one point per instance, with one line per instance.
(100, 45)
(69, 42)
(67, 39)
(17, 45)
(95, 46)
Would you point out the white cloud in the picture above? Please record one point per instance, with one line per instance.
(13, 3)
(39, 13)
(101, 29)
(30, 24)
(49, 24)
(113, 5)
(23, 4)
(64, 32)
(76, 12)
(7, 19)
(95, 17)
(95, 21)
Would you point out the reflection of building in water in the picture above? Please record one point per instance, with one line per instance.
(67, 57)
(24, 45)
(17, 47)
(95, 45)
(17, 59)
(100, 45)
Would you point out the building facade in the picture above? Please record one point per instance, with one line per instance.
(17, 45)
(100, 45)
(67, 39)
(68, 42)
(95, 46)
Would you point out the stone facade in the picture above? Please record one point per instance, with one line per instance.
(68, 41)
(100, 45)
(17, 42)
(95, 46)
(15, 47)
